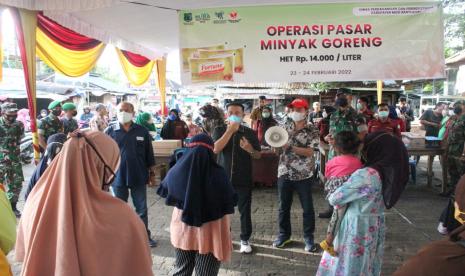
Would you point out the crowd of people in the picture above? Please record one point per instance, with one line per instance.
(76, 217)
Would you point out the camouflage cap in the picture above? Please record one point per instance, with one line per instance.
(9, 107)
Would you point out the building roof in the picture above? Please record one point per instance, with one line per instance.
(456, 60)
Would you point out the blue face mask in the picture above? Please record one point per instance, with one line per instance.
(383, 114)
(235, 119)
(172, 117)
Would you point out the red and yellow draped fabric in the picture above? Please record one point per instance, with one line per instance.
(25, 25)
(137, 68)
(64, 50)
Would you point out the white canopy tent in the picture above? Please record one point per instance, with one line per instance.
(146, 27)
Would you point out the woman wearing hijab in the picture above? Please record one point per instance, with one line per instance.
(174, 127)
(265, 123)
(54, 145)
(7, 232)
(203, 199)
(71, 226)
(444, 257)
(360, 240)
(145, 119)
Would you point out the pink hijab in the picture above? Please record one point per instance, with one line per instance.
(71, 227)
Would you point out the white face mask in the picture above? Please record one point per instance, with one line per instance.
(297, 116)
(124, 117)
(325, 114)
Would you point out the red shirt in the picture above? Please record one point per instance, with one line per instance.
(368, 114)
(386, 126)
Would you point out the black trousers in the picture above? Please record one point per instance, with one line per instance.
(204, 264)
(244, 204)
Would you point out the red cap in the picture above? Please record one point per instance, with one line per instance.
(298, 103)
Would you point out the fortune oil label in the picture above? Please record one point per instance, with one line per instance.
(211, 69)
(237, 53)
(188, 53)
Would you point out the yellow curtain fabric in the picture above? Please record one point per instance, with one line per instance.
(379, 89)
(161, 82)
(136, 75)
(68, 62)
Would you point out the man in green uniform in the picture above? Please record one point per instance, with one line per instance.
(51, 124)
(69, 123)
(11, 172)
(455, 149)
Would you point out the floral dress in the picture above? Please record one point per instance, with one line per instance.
(360, 239)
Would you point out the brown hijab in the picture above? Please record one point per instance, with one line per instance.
(445, 257)
(71, 227)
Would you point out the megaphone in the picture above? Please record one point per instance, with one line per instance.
(276, 137)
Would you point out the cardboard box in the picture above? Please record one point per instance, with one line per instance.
(413, 139)
(165, 147)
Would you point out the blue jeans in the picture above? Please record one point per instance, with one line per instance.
(286, 189)
(139, 199)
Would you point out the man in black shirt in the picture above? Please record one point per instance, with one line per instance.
(431, 120)
(236, 145)
(406, 112)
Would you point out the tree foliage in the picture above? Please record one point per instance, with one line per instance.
(454, 26)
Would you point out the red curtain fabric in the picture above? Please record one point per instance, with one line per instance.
(135, 59)
(64, 36)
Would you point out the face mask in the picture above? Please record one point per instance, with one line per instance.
(235, 119)
(297, 116)
(359, 106)
(43, 114)
(124, 117)
(458, 214)
(324, 114)
(451, 112)
(266, 114)
(56, 112)
(362, 128)
(150, 122)
(383, 114)
(172, 117)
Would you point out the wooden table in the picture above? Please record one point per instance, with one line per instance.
(431, 152)
(414, 151)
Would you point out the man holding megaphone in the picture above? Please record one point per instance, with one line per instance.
(236, 146)
(296, 167)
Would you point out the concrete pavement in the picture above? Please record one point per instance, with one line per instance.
(410, 224)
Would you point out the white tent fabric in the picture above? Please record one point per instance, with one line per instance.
(146, 27)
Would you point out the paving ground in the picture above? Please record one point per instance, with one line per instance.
(411, 224)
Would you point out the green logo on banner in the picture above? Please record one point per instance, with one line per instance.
(188, 17)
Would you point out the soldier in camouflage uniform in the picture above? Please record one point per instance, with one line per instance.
(344, 119)
(455, 149)
(51, 124)
(11, 172)
(69, 123)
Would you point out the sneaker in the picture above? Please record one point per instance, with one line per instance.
(310, 246)
(281, 242)
(442, 230)
(152, 243)
(245, 247)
